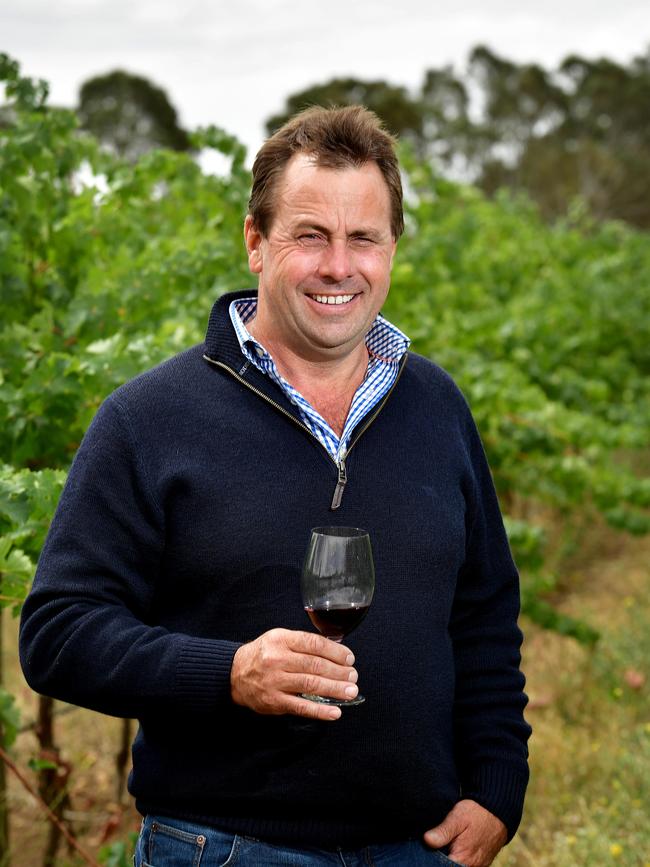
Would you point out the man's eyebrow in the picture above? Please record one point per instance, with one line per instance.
(373, 234)
(313, 227)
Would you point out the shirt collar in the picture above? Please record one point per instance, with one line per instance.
(385, 342)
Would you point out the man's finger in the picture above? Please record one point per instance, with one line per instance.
(305, 663)
(312, 709)
(318, 645)
(311, 684)
(442, 834)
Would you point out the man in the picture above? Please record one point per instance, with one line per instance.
(168, 589)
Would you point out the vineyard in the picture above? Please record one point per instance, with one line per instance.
(108, 267)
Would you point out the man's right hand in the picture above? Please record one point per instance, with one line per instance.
(269, 674)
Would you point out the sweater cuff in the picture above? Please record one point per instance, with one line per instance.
(203, 673)
(499, 788)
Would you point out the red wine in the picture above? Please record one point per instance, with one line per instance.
(334, 623)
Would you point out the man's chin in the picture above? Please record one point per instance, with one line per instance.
(331, 348)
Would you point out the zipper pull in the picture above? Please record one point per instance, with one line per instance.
(340, 485)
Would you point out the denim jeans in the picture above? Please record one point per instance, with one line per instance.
(165, 842)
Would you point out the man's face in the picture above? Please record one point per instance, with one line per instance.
(330, 241)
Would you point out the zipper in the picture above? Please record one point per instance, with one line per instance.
(340, 485)
(340, 464)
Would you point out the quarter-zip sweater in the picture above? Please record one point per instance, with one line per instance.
(180, 535)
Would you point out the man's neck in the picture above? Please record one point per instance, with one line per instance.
(329, 384)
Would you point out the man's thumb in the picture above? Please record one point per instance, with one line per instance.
(441, 835)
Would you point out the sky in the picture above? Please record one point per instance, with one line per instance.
(234, 63)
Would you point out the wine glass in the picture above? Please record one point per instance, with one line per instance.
(337, 584)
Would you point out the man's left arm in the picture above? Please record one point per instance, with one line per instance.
(489, 728)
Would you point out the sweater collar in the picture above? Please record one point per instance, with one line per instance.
(221, 343)
(222, 348)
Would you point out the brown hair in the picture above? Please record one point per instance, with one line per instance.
(337, 138)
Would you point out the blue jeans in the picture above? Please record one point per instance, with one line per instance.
(167, 842)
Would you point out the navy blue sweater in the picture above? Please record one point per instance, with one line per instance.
(180, 534)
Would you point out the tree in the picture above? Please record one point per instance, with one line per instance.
(579, 131)
(129, 115)
(401, 114)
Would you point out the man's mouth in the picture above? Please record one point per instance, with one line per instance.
(332, 299)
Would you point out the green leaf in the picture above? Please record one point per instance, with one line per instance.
(118, 854)
(16, 572)
(42, 765)
(542, 613)
(9, 718)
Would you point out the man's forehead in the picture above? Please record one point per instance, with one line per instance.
(306, 184)
(305, 167)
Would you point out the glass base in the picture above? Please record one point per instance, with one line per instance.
(350, 702)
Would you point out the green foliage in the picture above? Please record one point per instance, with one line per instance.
(9, 718)
(118, 854)
(544, 614)
(27, 502)
(16, 570)
(37, 765)
(27, 93)
(105, 268)
(108, 267)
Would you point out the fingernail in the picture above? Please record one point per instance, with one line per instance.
(334, 712)
(351, 691)
(350, 659)
(353, 676)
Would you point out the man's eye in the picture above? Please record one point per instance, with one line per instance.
(362, 241)
(311, 238)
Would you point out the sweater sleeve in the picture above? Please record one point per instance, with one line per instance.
(84, 636)
(490, 731)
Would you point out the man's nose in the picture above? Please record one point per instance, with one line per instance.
(335, 262)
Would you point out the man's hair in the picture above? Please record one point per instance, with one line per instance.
(336, 138)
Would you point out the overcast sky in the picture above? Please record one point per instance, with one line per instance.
(233, 64)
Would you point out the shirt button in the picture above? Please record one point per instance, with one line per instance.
(259, 351)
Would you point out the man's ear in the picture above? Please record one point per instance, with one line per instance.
(253, 239)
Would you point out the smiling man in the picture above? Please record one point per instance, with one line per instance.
(168, 589)
(324, 266)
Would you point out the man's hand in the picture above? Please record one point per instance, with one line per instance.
(473, 834)
(268, 674)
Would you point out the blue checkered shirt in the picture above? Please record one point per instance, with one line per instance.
(386, 345)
